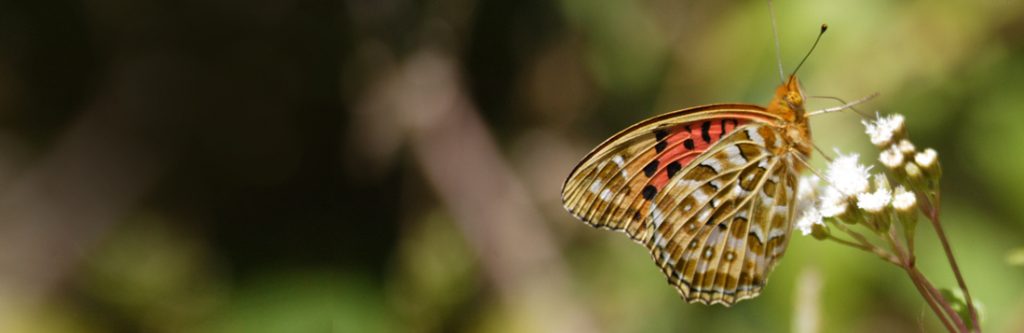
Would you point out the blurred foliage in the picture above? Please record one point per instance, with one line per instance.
(287, 201)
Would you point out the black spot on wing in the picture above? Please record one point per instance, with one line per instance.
(672, 168)
(660, 134)
(688, 143)
(660, 146)
(705, 131)
(651, 168)
(648, 192)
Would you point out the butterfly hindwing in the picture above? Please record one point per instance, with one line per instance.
(704, 253)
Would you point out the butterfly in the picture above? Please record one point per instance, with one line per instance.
(709, 190)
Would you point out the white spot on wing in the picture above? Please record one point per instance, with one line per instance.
(700, 196)
(756, 229)
(665, 258)
(704, 215)
(713, 163)
(754, 136)
(617, 159)
(778, 250)
(606, 194)
(596, 186)
(735, 156)
(657, 216)
(687, 184)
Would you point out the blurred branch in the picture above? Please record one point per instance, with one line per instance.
(808, 301)
(54, 212)
(460, 159)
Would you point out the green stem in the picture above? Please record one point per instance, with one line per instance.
(921, 281)
(929, 298)
(940, 299)
(937, 225)
(865, 244)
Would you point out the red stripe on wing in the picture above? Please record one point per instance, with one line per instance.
(683, 143)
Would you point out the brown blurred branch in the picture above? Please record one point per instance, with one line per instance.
(460, 159)
(53, 212)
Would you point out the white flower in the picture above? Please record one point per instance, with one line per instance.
(903, 200)
(906, 147)
(892, 158)
(847, 175)
(882, 182)
(926, 158)
(833, 203)
(913, 171)
(883, 129)
(874, 202)
(806, 191)
(808, 219)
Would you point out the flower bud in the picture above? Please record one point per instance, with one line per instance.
(820, 231)
(904, 201)
(913, 172)
(881, 182)
(928, 160)
(905, 205)
(885, 130)
(834, 204)
(875, 207)
(891, 158)
(906, 147)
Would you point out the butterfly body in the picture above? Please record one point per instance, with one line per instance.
(709, 190)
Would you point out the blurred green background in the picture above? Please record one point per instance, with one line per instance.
(395, 165)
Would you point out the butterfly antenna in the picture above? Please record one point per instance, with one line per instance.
(778, 49)
(840, 100)
(823, 153)
(816, 40)
(842, 107)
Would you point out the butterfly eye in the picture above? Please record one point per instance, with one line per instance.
(794, 100)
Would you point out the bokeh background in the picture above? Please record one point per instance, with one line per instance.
(395, 165)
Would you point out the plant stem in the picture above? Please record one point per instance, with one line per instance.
(923, 286)
(928, 297)
(939, 298)
(865, 244)
(937, 225)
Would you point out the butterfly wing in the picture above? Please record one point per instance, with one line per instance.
(702, 188)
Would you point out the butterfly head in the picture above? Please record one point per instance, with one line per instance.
(788, 104)
(788, 101)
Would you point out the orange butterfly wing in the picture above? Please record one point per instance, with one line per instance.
(708, 190)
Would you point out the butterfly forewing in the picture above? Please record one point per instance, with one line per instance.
(704, 189)
(607, 188)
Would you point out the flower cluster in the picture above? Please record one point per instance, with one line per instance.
(849, 197)
(850, 192)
